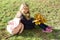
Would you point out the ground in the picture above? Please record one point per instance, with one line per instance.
(50, 9)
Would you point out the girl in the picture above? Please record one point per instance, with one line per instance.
(25, 21)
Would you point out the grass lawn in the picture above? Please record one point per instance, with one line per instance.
(49, 8)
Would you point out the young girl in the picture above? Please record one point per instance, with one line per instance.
(26, 22)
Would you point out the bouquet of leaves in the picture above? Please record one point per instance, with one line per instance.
(38, 19)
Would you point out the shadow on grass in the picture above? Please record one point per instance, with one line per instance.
(37, 33)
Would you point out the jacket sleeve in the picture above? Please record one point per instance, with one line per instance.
(18, 15)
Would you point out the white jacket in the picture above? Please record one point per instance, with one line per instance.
(10, 27)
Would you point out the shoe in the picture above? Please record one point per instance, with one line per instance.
(48, 30)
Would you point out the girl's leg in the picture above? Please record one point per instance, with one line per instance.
(45, 27)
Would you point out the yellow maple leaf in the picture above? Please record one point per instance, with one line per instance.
(39, 19)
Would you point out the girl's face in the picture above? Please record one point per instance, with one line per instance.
(25, 10)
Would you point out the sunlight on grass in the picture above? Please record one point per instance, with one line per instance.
(49, 8)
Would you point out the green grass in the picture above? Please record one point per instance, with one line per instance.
(49, 8)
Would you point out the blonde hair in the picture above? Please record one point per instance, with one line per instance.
(23, 5)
